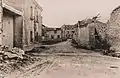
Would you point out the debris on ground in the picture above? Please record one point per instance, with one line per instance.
(113, 38)
(38, 49)
(6, 54)
(113, 67)
(14, 59)
(111, 52)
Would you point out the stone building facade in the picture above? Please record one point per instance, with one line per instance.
(20, 23)
(11, 21)
(32, 22)
(54, 34)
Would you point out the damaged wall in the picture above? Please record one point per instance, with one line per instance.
(87, 36)
(113, 32)
(83, 36)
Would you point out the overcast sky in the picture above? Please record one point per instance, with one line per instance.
(58, 12)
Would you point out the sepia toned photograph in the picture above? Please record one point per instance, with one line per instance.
(59, 38)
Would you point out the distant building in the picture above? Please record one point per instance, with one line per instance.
(54, 34)
(67, 31)
(44, 32)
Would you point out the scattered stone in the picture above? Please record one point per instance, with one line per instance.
(10, 55)
(19, 53)
(113, 67)
(2, 52)
(6, 54)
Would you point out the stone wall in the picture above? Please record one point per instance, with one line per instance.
(84, 36)
(88, 30)
(113, 32)
(18, 29)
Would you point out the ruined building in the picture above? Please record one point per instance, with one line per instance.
(91, 33)
(113, 33)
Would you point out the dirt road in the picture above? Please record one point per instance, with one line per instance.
(69, 62)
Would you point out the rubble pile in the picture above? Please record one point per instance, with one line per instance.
(14, 59)
(6, 54)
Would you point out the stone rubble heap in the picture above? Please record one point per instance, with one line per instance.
(15, 59)
(6, 54)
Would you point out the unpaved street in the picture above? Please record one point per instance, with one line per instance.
(69, 62)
